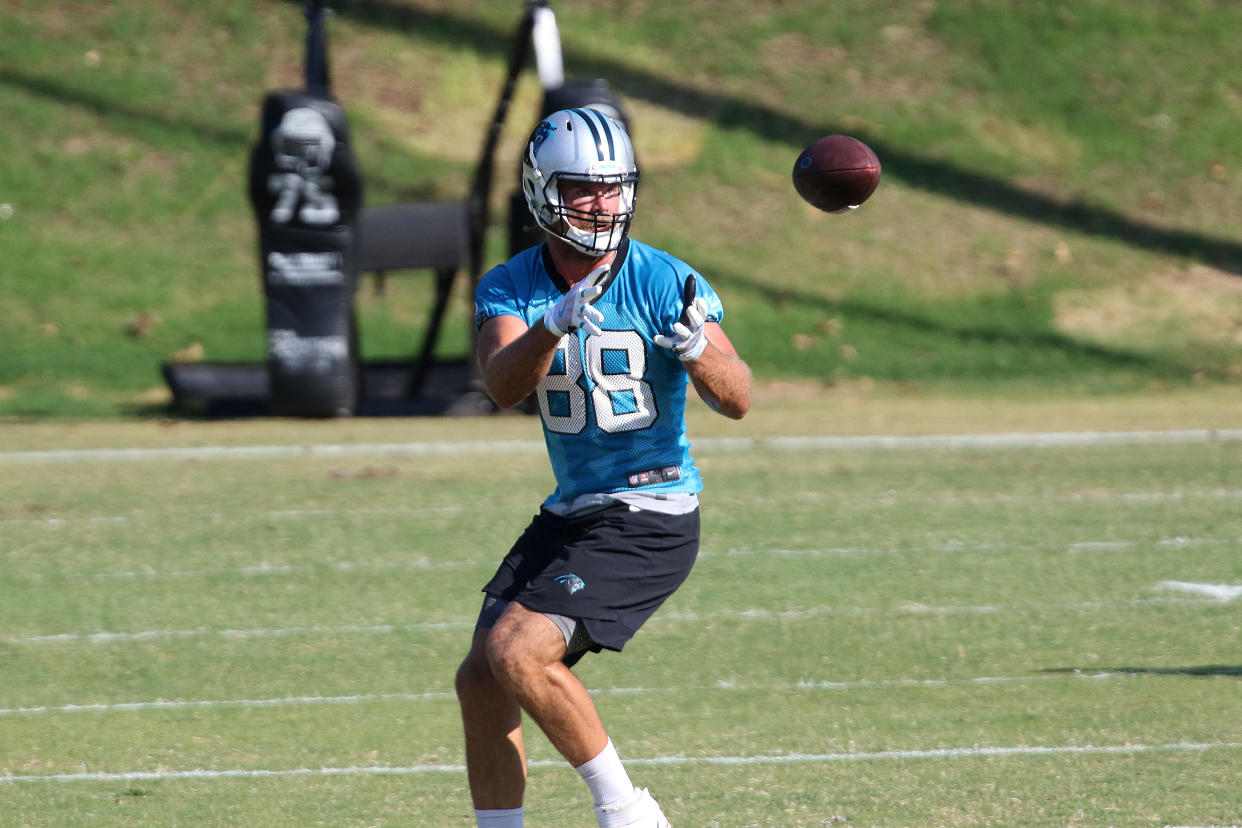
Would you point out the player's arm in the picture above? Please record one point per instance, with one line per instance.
(513, 358)
(719, 375)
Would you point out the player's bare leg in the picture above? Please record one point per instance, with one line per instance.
(492, 719)
(525, 651)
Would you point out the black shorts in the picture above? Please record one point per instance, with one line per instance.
(611, 569)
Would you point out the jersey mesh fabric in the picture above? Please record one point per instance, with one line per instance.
(612, 406)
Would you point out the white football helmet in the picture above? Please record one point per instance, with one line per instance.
(303, 142)
(579, 145)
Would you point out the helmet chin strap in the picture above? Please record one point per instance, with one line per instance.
(588, 241)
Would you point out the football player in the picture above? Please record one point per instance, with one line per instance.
(606, 332)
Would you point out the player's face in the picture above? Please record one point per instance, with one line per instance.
(587, 200)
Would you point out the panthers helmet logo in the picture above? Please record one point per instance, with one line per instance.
(541, 134)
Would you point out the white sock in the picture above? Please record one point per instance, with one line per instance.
(606, 777)
(511, 818)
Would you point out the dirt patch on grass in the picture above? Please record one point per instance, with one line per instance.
(1194, 304)
(791, 51)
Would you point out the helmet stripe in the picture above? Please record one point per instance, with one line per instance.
(603, 122)
(586, 115)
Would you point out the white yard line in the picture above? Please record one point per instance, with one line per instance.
(208, 704)
(256, 632)
(897, 499)
(812, 443)
(958, 546)
(263, 569)
(266, 569)
(769, 759)
(750, 614)
(1223, 593)
(806, 685)
(270, 452)
(141, 519)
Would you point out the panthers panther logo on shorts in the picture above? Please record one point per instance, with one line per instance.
(571, 582)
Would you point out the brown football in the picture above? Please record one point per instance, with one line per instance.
(836, 172)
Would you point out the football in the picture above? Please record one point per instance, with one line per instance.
(836, 173)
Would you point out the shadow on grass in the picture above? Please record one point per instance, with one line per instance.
(1049, 342)
(941, 177)
(109, 108)
(1205, 670)
(226, 139)
(933, 175)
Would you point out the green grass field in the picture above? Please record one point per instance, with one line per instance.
(225, 626)
(256, 622)
(1059, 206)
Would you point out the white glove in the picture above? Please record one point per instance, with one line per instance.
(689, 336)
(574, 311)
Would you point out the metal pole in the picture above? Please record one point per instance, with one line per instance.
(317, 81)
(480, 189)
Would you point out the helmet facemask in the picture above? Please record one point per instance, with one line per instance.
(580, 146)
(587, 230)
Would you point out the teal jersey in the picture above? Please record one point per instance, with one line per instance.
(613, 406)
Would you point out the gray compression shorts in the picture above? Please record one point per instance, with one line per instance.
(576, 637)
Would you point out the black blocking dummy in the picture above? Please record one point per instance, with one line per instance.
(306, 191)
